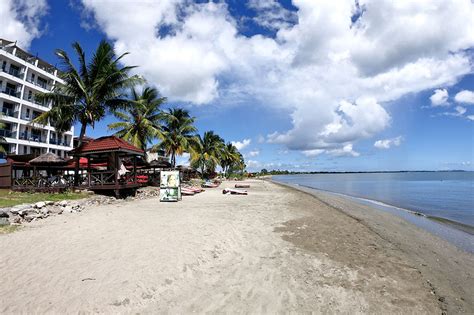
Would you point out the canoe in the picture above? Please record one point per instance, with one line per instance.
(242, 185)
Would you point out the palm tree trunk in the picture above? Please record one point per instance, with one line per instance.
(79, 143)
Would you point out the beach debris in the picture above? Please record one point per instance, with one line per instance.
(242, 185)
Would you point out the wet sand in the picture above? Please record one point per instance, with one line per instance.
(275, 250)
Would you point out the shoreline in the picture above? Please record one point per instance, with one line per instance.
(465, 244)
(274, 250)
(448, 267)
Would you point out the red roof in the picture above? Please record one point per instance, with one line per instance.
(106, 144)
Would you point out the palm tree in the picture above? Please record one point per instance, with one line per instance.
(177, 134)
(2, 138)
(88, 91)
(207, 153)
(141, 124)
(230, 157)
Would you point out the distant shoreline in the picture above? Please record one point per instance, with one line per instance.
(360, 172)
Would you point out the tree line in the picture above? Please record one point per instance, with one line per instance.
(102, 86)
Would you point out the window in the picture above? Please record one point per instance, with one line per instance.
(4, 65)
(25, 150)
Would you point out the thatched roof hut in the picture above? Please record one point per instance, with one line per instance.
(48, 159)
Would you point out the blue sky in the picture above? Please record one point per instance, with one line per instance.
(300, 85)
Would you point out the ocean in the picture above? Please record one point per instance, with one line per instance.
(440, 195)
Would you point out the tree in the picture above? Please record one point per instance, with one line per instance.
(207, 153)
(140, 119)
(230, 158)
(2, 138)
(177, 134)
(88, 91)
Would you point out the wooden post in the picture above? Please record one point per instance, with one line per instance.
(89, 171)
(134, 169)
(116, 162)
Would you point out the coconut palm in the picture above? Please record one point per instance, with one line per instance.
(230, 157)
(88, 92)
(177, 133)
(207, 152)
(2, 139)
(140, 119)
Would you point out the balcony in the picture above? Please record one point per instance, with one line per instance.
(11, 92)
(9, 112)
(32, 137)
(26, 117)
(16, 73)
(35, 101)
(7, 133)
(58, 142)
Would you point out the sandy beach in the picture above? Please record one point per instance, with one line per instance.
(276, 250)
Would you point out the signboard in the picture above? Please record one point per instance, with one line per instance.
(170, 189)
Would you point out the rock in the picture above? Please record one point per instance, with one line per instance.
(19, 208)
(31, 217)
(68, 209)
(15, 219)
(4, 214)
(63, 203)
(45, 210)
(4, 221)
(49, 203)
(40, 204)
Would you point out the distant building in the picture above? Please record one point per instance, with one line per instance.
(22, 75)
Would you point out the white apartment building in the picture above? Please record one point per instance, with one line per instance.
(22, 75)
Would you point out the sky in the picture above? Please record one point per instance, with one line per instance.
(303, 85)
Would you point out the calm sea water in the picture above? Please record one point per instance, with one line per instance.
(448, 195)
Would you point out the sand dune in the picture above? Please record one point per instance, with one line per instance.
(209, 253)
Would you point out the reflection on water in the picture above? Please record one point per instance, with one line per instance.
(448, 195)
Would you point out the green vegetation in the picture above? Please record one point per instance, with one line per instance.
(5, 229)
(94, 89)
(11, 198)
(177, 133)
(140, 118)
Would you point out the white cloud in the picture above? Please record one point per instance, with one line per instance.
(465, 96)
(21, 20)
(253, 153)
(439, 98)
(334, 77)
(272, 15)
(183, 159)
(387, 143)
(241, 144)
(470, 117)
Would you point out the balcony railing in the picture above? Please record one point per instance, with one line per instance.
(7, 133)
(58, 142)
(11, 92)
(26, 117)
(16, 73)
(32, 137)
(9, 112)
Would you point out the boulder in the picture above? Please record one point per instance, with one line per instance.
(45, 210)
(69, 209)
(19, 208)
(49, 203)
(31, 217)
(4, 221)
(40, 204)
(4, 213)
(63, 203)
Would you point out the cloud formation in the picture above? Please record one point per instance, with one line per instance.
(465, 96)
(439, 98)
(241, 144)
(388, 143)
(333, 68)
(21, 20)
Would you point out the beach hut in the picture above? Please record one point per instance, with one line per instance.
(114, 176)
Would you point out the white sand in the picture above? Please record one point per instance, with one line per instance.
(209, 253)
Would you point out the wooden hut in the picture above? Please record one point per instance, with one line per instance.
(114, 177)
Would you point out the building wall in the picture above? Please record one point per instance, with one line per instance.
(21, 77)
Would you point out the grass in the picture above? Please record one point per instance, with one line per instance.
(10, 198)
(5, 229)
